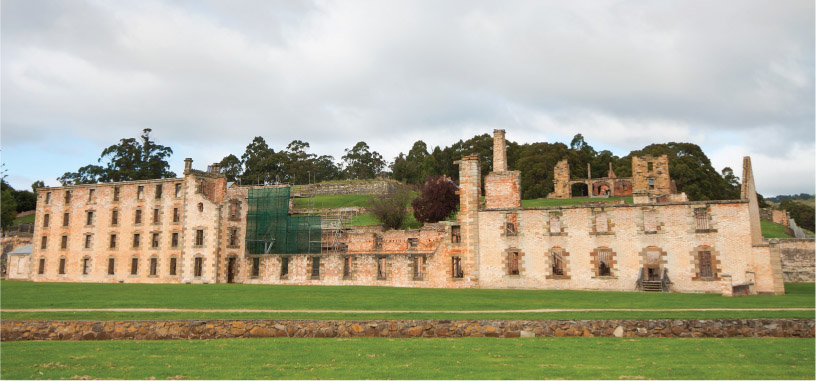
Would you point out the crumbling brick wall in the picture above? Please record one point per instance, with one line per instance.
(650, 174)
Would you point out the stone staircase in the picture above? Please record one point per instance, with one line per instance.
(652, 286)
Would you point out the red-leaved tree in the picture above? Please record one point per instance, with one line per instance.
(437, 200)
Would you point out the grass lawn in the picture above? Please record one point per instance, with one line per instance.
(569, 201)
(577, 315)
(461, 358)
(16, 294)
(773, 230)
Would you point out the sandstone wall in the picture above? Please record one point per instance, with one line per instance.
(674, 236)
(658, 174)
(16, 330)
(797, 259)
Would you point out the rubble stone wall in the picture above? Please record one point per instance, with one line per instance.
(16, 330)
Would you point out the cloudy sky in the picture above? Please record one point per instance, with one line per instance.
(735, 77)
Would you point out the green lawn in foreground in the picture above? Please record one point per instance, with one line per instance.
(572, 315)
(379, 358)
(569, 201)
(16, 294)
(773, 230)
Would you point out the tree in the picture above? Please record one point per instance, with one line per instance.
(25, 199)
(37, 184)
(231, 167)
(131, 159)
(437, 200)
(361, 163)
(389, 208)
(8, 208)
(260, 162)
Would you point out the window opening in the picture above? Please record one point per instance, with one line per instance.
(604, 262)
(154, 266)
(557, 263)
(41, 267)
(199, 264)
(513, 263)
(62, 266)
(315, 267)
(456, 267)
(705, 265)
(134, 266)
(173, 261)
(86, 266)
(456, 234)
(284, 267)
(111, 266)
(256, 266)
(701, 218)
(381, 263)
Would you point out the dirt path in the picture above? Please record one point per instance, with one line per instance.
(399, 312)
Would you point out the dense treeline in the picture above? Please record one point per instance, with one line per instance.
(690, 168)
(14, 201)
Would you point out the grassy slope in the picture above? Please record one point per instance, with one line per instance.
(569, 201)
(365, 358)
(773, 230)
(24, 220)
(230, 296)
(335, 200)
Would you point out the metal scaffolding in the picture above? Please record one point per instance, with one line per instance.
(270, 228)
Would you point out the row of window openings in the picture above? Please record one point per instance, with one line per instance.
(701, 220)
(198, 266)
(604, 263)
(174, 242)
(116, 192)
(89, 217)
(418, 263)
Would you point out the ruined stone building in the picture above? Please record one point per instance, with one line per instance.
(199, 229)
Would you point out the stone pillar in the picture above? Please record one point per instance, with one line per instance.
(589, 173)
(188, 165)
(748, 192)
(470, 198)
(499, 151)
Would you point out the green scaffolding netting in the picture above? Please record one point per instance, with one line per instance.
(270, 228)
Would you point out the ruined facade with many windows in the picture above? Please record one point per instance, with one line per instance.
(193, 230)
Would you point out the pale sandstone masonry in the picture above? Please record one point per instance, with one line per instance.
(20, 330)
(712, 246)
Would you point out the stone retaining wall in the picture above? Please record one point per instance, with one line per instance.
(375, 187)
(14, 330)
(797, 255)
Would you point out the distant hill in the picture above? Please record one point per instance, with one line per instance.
(800, 196)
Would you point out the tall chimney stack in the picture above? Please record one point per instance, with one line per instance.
(499, 151)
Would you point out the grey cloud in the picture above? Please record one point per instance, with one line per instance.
(202, 73)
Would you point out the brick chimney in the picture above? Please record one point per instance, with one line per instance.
(499, 151)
